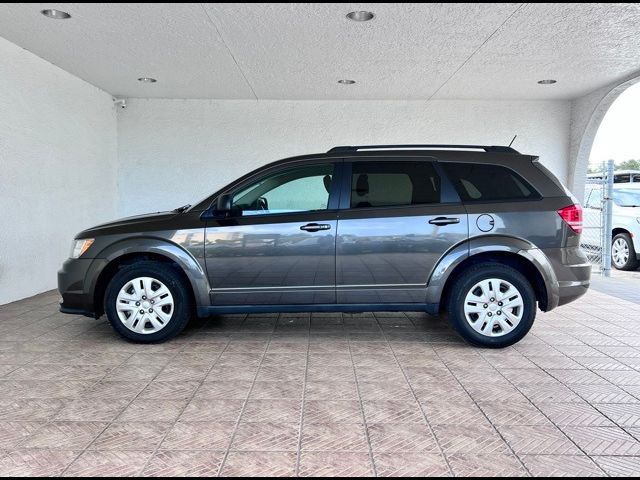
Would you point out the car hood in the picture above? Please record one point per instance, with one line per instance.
(138, 223)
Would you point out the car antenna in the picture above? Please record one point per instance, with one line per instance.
(513, 139)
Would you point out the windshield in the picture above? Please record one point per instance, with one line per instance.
(627, 197)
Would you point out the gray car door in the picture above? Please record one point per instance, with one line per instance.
(394, 228)
(277, 247)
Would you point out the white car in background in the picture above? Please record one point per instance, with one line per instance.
(625, 248)
(619, 176)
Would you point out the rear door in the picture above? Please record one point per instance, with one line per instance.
(398, 217)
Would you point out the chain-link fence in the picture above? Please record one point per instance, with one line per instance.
(598, 217)
(593, 240)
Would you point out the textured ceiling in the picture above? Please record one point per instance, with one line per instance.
(299, 51)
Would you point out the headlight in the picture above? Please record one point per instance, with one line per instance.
(81, 246)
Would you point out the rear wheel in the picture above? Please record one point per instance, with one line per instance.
(623, 255)
(148, 302)
(491, 305)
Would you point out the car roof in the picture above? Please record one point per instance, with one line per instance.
(440, 154)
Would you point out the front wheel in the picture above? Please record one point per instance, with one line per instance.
(148, 302)
(491, 305)
(623, 255)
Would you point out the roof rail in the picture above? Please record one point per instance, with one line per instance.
(486, 148)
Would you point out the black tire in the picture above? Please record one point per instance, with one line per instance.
(172, 279)
(466, 280)
(632, 262)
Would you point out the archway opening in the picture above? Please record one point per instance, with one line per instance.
(618, 136)
(617, 139)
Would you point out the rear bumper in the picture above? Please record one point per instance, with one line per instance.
(572, 270)
(570, 291)
(71, 279)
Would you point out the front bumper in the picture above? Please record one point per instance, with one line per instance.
(71, 286)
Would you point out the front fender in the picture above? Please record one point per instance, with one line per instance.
(490, 244)
(152, 245)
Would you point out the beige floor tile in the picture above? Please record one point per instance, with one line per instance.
(329, 437)
(35, 463)
(474, 465)
(199, 436)
(131, 436)
(184, 464)
(335, 464)
(259, 464)
(266, 436)
(108, 464)
(239, 395)
(575, 466)
(401, 437)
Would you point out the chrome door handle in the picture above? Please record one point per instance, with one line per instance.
(444, 221)
(315, 227)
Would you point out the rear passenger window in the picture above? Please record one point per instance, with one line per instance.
(386, 184)
(487, 183)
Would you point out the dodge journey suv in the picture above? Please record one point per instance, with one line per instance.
(483, 234)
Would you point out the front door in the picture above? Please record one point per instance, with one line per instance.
(277, 247)
(393, 231)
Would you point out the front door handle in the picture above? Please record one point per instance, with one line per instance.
(444, 221)
(315, 227)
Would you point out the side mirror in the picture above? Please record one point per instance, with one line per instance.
(224, 203)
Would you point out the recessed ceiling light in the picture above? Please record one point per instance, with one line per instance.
(360, 16)
(57, 14)
(346, 82)
(147, 80)
(547, 82)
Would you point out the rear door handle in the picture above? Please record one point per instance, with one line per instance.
(444, 221)
(315, 227)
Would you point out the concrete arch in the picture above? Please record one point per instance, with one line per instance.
(587, 114)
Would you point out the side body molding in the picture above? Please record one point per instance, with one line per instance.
(490, 244)
(153, 245)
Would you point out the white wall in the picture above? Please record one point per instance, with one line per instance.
(68, 161)
(58, 155)
(173, 152)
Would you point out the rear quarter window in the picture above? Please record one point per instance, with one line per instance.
(488, 183)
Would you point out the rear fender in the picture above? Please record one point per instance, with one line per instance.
(489, 244)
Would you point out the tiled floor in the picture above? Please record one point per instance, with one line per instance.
(390, 394)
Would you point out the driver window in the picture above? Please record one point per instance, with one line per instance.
(299, 189)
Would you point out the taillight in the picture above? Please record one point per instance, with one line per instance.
(573, 216)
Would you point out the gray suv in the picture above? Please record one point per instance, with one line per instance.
(482, 233)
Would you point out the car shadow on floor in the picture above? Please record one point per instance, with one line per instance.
(395, 326)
